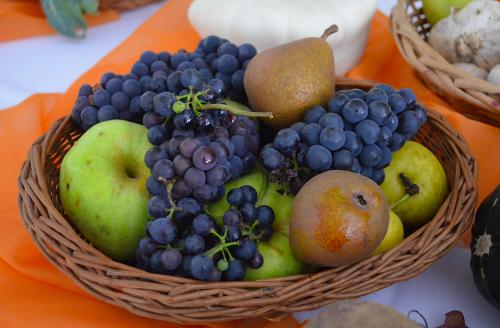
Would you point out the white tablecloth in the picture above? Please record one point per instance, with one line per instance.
(52, 63)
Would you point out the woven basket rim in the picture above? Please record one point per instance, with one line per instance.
(122, 5)
(466, 93)
(179, 299)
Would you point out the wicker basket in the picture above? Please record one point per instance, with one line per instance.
(184, 300)
(122, 5)
(467, 94)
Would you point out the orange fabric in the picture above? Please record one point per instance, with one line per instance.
(33, 292)
(25, 18)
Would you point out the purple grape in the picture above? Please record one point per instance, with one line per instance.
(188, 146)
(163, 169)
(181, 164)
(218, 175)
(207, 193)
(181, 190)
(232, 217)
(314, 114)
(171, 259)
(162, 230)
(205, 158)
(194, 178)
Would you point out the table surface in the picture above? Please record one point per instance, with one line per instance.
(447, 285)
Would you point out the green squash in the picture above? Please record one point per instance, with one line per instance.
(66, 16)
(485, 248)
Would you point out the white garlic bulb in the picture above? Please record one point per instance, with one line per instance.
(471, 35)
(494, 75)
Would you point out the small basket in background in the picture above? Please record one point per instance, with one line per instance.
(471, 96)
(122, 5)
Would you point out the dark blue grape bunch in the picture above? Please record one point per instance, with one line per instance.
(226, 61)
(185, 241)
(247, 224)
(115, 97)
(175, 235)
(119, 96)
(199, 158)
(256, 220)
(358, 131)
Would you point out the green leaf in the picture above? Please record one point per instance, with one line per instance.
(66, 16)
(90, 6)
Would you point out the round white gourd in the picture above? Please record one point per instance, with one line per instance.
(268, 23)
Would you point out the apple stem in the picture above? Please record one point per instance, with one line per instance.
(235, 110)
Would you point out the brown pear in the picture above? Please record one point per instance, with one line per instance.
(289, 79)
(338, 218)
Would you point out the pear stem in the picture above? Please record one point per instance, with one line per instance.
(402, 200)
(329, 31)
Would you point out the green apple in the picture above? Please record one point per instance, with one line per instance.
(435, 10)
(102, 186)
(278, 258)
(417, 163)
(257, 179)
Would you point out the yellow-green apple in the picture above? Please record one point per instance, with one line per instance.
(102, 185)
(435, 10)
(414, 169)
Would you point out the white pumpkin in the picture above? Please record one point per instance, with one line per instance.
(268, 23)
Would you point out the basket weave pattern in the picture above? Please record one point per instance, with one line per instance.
(122, 5)
(185, 300)
(471, 96)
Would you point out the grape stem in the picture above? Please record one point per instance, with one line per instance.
(235, 110)
(248, 231)
(221, 247)
(170, 185)
(221, 238)
(193, 101)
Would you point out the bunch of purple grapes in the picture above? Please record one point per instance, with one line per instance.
(129, 97)
(187, 242)
(116, 97)
(358, 132)
(227, 62)
(196, 150)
